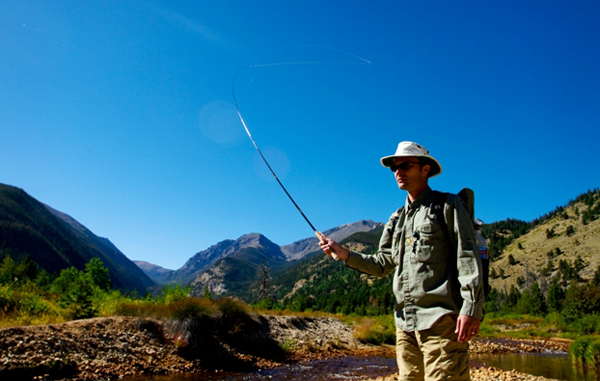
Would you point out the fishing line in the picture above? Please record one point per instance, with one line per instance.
(317, 233)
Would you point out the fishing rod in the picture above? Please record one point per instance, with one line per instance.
(319, 235)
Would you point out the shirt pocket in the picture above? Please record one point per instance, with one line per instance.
(430, 239)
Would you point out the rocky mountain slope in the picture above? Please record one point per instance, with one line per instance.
(56, 241)
(158, 274)
(564, 237)
(237, 273)
(301, 248)
(202, 261)
(266, 251)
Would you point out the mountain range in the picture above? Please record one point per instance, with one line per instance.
(56, 241)
(232, 267)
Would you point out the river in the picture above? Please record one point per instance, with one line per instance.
(554, 366)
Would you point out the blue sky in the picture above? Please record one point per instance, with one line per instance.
(120, 113)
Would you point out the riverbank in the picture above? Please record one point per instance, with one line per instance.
(117, 347)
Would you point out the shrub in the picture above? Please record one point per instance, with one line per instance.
(192, 327)
(107, 303)
(192, 308)
(32, 304)
(232, 308)
(586, 325)
(7, 299)
(173, 293)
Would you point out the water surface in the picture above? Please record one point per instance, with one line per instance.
(347, 368)
(553, 366)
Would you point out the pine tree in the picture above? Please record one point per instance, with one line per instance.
(493, 274)
(537, 303)
(556, 296)
(98, 274)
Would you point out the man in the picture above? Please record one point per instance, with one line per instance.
(437, 281)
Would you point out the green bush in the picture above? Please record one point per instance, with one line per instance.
(107, 302)
(33, 304)
(171, 293)
(586, 325)
(7, 299)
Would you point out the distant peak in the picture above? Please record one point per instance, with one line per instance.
(253, 240)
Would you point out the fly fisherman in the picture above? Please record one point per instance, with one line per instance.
(438, 272)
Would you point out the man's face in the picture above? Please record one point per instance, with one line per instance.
(410, 175)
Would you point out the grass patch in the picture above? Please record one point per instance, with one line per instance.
(289, 345)
(516, 326)
(179, 309)
(374, 330)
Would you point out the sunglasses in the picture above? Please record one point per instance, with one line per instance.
(403, 166)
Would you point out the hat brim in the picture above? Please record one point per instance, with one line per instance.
(436, 167)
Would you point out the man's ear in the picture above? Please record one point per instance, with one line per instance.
(426, 168)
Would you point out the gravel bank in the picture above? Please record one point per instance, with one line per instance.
(116, 347)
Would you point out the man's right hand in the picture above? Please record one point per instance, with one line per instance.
(328, 246)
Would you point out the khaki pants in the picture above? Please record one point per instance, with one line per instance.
(433, 354)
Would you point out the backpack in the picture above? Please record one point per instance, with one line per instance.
(468, 198)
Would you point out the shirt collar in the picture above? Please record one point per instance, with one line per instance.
(424, 195)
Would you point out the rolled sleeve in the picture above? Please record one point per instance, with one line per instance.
(468, 262)
(379, 264)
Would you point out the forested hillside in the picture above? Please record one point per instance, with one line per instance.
(55, 241)
(563, 244)
(317, 282)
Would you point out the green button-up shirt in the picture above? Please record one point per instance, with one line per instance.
(436, 272)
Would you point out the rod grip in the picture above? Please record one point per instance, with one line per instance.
(320, 237)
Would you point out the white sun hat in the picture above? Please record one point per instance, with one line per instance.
(411, 149)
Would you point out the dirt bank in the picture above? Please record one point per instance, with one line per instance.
(116, 347)
(109, 348)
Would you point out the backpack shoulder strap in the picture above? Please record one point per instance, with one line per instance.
(439, 199)
(468, 198)
(397, 213)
